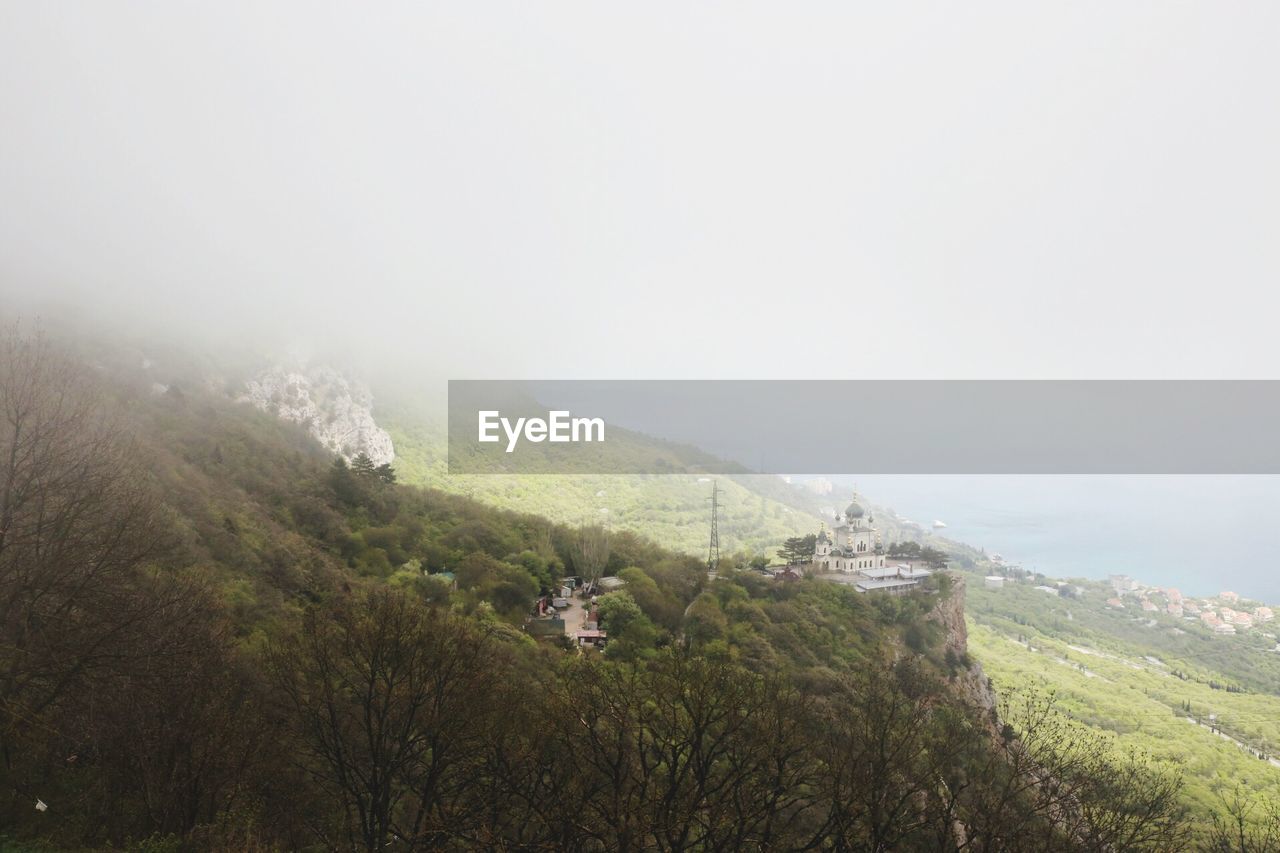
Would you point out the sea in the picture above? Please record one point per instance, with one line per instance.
(1201, 534)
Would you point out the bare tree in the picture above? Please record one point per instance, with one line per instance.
(1045, 782)
(1246, 825)
(591, 553)
(77, 526)
(878, 761)
(175, 737)
(391, 702)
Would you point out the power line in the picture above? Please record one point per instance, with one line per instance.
(713, 551)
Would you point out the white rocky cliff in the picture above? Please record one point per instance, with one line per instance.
(338, 412)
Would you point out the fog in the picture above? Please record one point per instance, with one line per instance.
(718, 191)
(571, 190)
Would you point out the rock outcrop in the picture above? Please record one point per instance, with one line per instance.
(336, 411)
(970, 680)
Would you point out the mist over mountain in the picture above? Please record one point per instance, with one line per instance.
(245, 605)
(528, 193)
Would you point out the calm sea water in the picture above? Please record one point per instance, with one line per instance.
(1199, 533)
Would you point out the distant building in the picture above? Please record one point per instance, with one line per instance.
(1227, 595)
(1148, 606)
(891, 585)
(1224, 628)
(1263, 614)
(1174, 595)
(591, 637)
(1116, 603)
(893, 579)
(993, 582)
(1123, 583)
(1173, 609)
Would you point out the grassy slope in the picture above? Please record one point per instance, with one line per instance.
(1112, 677)
(758, 511)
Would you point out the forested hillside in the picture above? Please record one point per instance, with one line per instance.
(216, 636)
(758, 511)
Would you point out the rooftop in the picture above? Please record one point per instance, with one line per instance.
(886, 583)
(886, 572)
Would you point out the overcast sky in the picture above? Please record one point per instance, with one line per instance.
(660, 190)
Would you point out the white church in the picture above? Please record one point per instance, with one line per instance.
(856, 547)
(857, 550)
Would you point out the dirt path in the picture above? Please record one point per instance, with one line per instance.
(574, 616)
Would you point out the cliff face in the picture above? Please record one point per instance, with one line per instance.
(971, 682)
(336, 411)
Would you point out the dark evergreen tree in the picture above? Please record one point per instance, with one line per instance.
(343, 482)
(798, 549)
(363, 466)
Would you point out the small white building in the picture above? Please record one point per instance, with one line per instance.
(993, 582)
(893, 586)
(892, 579)
(1123, 583)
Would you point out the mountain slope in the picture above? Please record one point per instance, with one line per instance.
(1156, 683)
(311, 655)
(758, 512)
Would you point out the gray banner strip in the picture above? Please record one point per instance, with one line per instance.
(866, 426)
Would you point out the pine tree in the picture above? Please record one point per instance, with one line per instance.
(343, 482)
(362, 465)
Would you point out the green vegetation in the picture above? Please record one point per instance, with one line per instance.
(757, 511)
(1162, 685)
(217, 637)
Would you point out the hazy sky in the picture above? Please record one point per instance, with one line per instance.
(587, 189)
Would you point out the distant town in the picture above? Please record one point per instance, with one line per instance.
(1225, 614)
(1219, 613)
